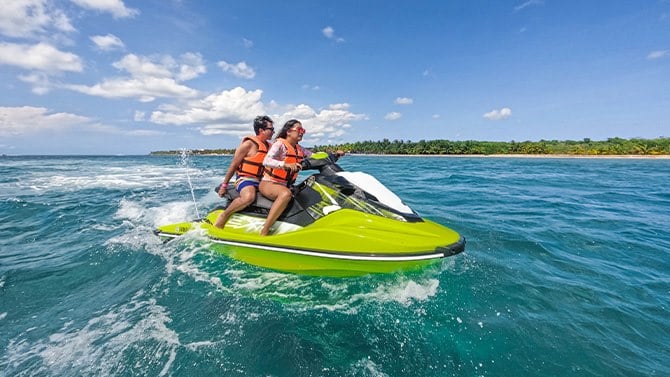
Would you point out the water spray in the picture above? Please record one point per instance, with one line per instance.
(185, 158)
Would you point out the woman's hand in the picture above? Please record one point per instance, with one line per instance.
(293, 167)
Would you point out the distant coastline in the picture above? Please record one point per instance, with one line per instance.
(585, 148)
(539, 156)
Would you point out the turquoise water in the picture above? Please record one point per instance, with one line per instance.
(565, 273)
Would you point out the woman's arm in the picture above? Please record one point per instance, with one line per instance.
(276, 155)
(305, 152)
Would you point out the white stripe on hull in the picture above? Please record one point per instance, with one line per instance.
(407, 258)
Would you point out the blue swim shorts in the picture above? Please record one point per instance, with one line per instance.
(243, 182)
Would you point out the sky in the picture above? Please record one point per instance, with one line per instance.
(130, 77)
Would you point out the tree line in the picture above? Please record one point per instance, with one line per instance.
(611, 146)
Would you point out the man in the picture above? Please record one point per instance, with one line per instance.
(248, 164)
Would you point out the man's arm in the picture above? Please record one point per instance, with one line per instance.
(240, 153)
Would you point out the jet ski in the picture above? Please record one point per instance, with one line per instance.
(338, 223)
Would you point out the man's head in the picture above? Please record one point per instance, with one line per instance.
(261, 123)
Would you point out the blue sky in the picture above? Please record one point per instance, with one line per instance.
(130, 77)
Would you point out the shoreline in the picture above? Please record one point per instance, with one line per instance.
(586, 156)
(576, 156)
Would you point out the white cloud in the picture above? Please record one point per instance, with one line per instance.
(235, 129)
(142, 133)
(403, 101)
(149, 78)
(329, 33)
(107, 42)
(339, 106)
(116, 7)
(191, 66)
(247, 43)
(145, 89)
(658, 54)
(142, 66)
(15, 121)
(436, 116)
(28, 18)
(39, 81)
(393, 116)
(42, 57)
(326, 123)
(231, 112)
(528, 4)
(240, 69)
(112, 130)
(503, 113)
(218, 111)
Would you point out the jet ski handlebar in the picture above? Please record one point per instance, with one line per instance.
(324, 162)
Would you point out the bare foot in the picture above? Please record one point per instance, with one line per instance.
(221, 221)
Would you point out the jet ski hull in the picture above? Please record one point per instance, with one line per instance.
(344, 243)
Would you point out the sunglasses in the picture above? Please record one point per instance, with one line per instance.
(270, 128)
(299, 130)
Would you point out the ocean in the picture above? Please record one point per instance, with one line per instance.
(565, 272)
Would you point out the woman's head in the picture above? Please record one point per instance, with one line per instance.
(292, 125)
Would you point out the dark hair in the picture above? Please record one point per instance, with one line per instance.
(262, 122)
(287, 126)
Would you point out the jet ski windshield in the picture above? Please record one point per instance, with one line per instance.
(335, 192)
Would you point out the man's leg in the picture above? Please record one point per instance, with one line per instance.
(247, 196)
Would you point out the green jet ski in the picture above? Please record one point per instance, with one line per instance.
(338, 224)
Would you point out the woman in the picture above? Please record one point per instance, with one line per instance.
(282, 165)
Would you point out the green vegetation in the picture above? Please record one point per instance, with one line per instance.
(586, 147)
(612, 146)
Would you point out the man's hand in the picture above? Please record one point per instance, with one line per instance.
(223, 188)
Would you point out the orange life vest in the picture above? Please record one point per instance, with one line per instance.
(293, 155)
(253, 166)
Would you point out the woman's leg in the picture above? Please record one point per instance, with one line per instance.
(281, 196)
